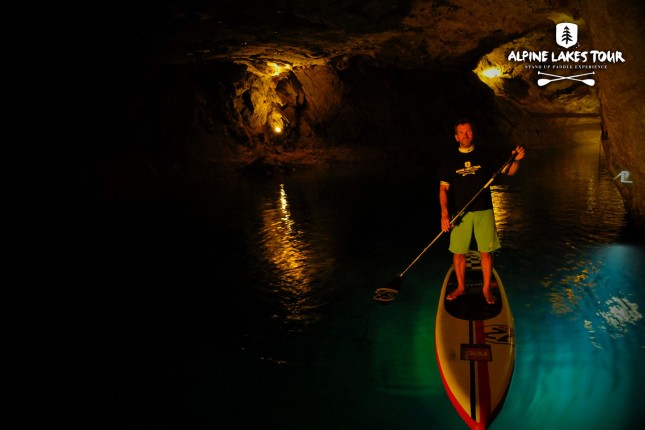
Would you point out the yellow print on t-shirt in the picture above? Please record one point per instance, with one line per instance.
(468, 169)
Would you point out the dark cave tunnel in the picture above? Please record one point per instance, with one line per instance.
(199, 88)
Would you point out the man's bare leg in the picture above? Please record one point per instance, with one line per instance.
(459, 261)
(487, 270)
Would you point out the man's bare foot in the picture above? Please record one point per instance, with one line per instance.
(490, 298)
(456, 293)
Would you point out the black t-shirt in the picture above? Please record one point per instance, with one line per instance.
(467, 173)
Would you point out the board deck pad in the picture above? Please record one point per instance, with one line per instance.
(472, 304)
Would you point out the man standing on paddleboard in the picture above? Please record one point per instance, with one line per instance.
(462, 175)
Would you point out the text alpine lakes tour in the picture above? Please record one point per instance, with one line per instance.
(567, 56)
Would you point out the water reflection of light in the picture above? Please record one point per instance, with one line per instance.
(572, 285)
(501, 205)
(588, 289)
(284, 207)
(619, 314)
(289, 253)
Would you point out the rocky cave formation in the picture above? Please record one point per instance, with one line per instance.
(265, 86)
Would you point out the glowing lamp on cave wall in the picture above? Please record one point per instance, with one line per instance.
(277, 69)
(492, 72)
(276, 122)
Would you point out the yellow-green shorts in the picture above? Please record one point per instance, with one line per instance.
(482, 223)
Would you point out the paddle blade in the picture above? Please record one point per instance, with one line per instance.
(389, 292)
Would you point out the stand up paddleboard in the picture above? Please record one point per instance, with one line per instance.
(475, 345)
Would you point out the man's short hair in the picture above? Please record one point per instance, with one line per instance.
(462, 121)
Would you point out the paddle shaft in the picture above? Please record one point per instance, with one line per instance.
(459, 214)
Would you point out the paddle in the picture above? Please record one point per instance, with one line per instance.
(389, 292)
(545, 81)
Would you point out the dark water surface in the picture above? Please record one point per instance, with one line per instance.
(247, 304)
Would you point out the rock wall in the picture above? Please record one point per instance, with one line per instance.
(618, 25)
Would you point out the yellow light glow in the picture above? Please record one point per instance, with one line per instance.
(290, 256)
(492, 72)
(503, 213)
(276, 122)
(277, 69)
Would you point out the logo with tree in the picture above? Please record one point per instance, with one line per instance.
(566, 34)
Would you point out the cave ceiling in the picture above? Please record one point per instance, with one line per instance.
(436, 35)
(403, 34)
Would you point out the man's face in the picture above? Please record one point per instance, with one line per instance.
(464, 135)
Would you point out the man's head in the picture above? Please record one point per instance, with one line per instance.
(464, 133)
